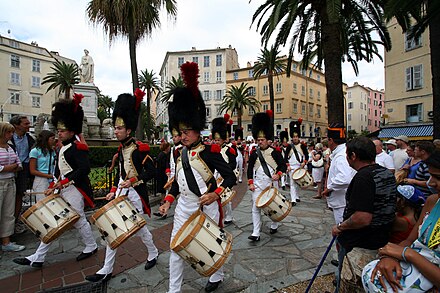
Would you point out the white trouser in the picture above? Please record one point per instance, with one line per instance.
(228, 212)
(256, 212)
(143, 233)
(283, 180)
(186, 206)
(76, 200)
(40, 185)
(240, 167)
(294, 188)
(338, 214)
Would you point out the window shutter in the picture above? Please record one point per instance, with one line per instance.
(408, 79)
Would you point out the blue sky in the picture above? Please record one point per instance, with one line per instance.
(62, 26)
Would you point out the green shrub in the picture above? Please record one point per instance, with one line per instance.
(99, 156)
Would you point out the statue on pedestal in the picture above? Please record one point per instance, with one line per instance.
(87, 68)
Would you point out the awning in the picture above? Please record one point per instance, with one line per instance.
(412, 131)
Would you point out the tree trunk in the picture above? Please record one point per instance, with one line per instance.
(271, 97)
(333, 68)
(67, 93)
(148, 130)
(434, 39)
(239, 114)
(135, 80)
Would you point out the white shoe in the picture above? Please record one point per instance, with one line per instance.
(19, 228)
(11, 246)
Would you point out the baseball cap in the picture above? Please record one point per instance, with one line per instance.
(402, 137)
(391, 141)
(411, 194)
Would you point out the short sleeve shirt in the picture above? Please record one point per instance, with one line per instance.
(45, 163)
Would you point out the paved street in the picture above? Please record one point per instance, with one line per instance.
(277, 261)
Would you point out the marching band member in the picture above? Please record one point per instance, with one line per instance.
(298, 157)
(240, 152)
(194, 170)
(135, 168)
(266, 166)
(72, 169)
(286, 147)
(220, 133)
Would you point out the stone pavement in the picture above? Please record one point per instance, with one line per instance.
(277, 261)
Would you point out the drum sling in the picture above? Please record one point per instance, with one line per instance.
(263, 163)
(189, 175)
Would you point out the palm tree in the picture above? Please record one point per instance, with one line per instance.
(133, 19)
(426, 14)
(170, 87)
(328, 32)
(271, 64)
(149, 82)
(64, 76)
(238, 99)
(106, 103)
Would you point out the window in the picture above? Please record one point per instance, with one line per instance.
(219, 76)
(412, 43)
(208, 111)
(369, 101)
(217, 110)
(414, 113)
(15, 61)
(196, 60)
(15, 98)
(349, 95)
(15, 78)
(362, 106)
(294, 88)
(375, 123)
(251, 111)
(249, 127)
(294, 67)
(318, 111)
(205, 61)
(206, 95)
(206, 76)
(310, 73)
(36, 101)
(278, 87)
(252, 91)
(36, 65)
(265, 107)
(414, 77)
(218, 60)
(310, 109)
(349, 127)
(319, 95)
(265, 89)
(235, 75)
(295, 108)
(36, 81)
(362, 117)
(350, 105)
(375, 113)
(251, 73)
(369, 121)
(218, 94)
(318, 77)
(180, 61)
(311, 93)
(303, 109)
(13, 44)
(278, 108)
(303, 90)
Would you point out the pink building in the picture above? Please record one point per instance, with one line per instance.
(376, 107)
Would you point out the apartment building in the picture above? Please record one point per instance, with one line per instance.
(213, 65)
(364, 108)
(22, 69)
(408, 83)
(302, 95)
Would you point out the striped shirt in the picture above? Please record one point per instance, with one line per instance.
(7, 157)
(422, 174)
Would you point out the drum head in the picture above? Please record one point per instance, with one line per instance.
(298, 174)
(188, 231)
(266, 197)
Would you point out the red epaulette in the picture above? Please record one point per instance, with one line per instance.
(215, 148)
(253, 150)
(232, 151)
(81, 146)
(278, 149)
(143, 147)
(234, 143)
(119, 147)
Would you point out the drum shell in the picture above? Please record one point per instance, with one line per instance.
(304, 179)
(41, 218)
(122, 213)
(197, 238)
(274, 204)
(227, 196)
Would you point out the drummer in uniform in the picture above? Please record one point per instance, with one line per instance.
(298, 158)
(286, 147)
(220, 134)
(71, 172)
(265, 168)
(136, 167)
(240, 152)
(194, 170)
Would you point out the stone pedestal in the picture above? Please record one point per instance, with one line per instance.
(90, 106)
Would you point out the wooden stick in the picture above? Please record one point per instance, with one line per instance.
(34, 192)
(100, 198)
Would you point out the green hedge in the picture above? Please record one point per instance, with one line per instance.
(99, 156)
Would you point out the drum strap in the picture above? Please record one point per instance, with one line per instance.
(263, 163)
(189, 175)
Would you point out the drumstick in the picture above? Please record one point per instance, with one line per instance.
(100, 198)
(35, 192)
(120, 189)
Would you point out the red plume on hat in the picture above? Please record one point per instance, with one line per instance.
(226, 117)
(231, 121)
(139, 94)
(270, 113)
(190, 75)
(77, 98)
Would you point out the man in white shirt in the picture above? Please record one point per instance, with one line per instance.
(400, 155)
(382, 158)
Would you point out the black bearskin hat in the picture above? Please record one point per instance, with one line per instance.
(126, 111)
(239, 133)
(219, 128)
(262, 125)
(284, 136)
(295, 128)
(68, 114)
(187, 109)
(336, 131)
